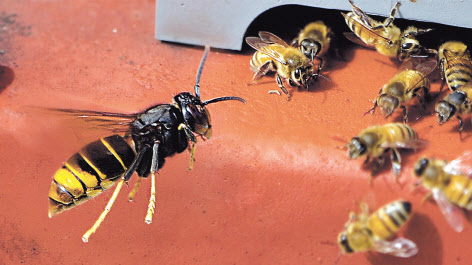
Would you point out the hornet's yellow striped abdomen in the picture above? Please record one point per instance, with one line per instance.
(89, 172)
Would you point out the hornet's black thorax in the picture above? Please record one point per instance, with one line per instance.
(158, 123)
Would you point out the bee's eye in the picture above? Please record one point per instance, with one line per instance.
(297, 73)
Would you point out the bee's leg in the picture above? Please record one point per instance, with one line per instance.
(263, 70)
(294, 42)
(367, 160)
(154, 168)
(192, 139)
(461, 126)
(443, 75)
(320, 66)
(390, 19)
(377, 165)
(279, 81)
(361, 14)
(396, 163)
(405, 116)
(421, 101)
(371, 110)
(364, 214)
(426, 197)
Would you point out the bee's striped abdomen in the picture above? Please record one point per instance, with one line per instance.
(459, 191)
(387, 220)
(458, 72)
(351, 23)
(89, 172)
(399, 132)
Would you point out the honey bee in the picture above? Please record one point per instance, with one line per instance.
(455, 64)
(376, 142)
(385, 37)
(314, 40)
(149, 137)
(364, 232)
(289, 63)
(450, 185)
(457, 102)
(406, 84)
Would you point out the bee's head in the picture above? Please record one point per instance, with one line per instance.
(355, 238)
(356, 148)
(194, 111)
(310, 48)
(388, 104)
(344, 243)
(420, 166)
(445, 111)
(431, 171)
(301, 75)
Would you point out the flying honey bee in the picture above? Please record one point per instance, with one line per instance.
(289, 63)
(314, 40)
(364, 232)
(385, 37)
(450, 185)
(455, 64)
(405, 85)
(376, 142)
(149, 137)
(456, 103)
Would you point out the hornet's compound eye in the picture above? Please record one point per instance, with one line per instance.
(199, 119)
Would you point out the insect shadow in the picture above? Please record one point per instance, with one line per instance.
(7, 75)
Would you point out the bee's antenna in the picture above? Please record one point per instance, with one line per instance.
(200, 69)
(338, 258)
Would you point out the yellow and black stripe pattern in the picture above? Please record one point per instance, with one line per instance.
(360, 31)
(89, 172)
(397, 133)
(387, 220)
(455, 63)
(459, 191)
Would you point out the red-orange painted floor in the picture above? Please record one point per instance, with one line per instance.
(270, 187)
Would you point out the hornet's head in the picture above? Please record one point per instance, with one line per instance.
(196, 115)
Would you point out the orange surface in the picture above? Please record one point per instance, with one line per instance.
(270, 187)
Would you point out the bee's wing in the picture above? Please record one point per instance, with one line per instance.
(271, 38)
(353, 37)
(111, 121)
(461, 165)
(411, 144)
(451, 212)
(262, 46)
(400, 247)
(420, 64)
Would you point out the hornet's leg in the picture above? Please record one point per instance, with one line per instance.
(154, 168)
(126, 177)
(135, 189)
(192, 139)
